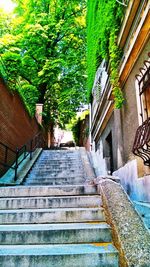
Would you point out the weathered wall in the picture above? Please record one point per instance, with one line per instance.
(129, 113)
(84, 133)
(137, 189)
(109, 128)
(113, 127)
(16, 126)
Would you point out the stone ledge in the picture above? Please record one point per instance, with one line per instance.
(130, 236)
(88, 170)
(110, 177)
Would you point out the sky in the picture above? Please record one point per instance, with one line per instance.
(7, 5)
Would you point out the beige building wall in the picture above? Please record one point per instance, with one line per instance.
(129, 112)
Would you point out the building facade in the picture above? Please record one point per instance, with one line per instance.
(121, 137)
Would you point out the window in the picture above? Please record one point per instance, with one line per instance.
(141, 146)
(143, 82)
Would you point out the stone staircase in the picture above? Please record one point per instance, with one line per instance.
(55, 219)
(57, 168)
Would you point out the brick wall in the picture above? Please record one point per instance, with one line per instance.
(16, 126)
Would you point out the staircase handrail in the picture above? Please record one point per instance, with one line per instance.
(20, 154)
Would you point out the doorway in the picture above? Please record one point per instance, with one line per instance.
(109, 153)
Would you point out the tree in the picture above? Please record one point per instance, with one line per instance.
(44, 54)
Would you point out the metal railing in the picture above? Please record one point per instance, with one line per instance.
(11, 159)
(141, 145)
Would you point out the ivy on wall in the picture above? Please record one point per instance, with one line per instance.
(75, 127)
(103, 23)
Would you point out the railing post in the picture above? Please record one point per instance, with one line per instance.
(31, 143)
(16, 163)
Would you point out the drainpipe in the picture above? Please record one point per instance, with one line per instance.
(90, 125)
(119, 138)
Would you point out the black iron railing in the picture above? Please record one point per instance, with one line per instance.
(141, 145)
(143, 80)
(10, 158)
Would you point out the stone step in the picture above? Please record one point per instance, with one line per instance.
(60, 157)
(55, 233)
(60, 151)
(54, 175)
(58, 166)
(50, 202)
(53, 168)
(66, 190)
(59, 161)
(56, 172)
(55, 160)
(75, 255)
(54, 181)
(61, 154)
(57, 183)
(29, 216)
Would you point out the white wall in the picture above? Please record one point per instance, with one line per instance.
(137, 188)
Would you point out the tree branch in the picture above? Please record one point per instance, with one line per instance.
(122, 3)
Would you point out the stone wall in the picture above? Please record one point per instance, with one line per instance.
(16, 126)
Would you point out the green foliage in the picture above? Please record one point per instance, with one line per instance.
(103, 23)
(75, 124)
(12, 63)
(114, 63)
(45, 49)
(76, 130)
(30, 96)
(4, 22)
